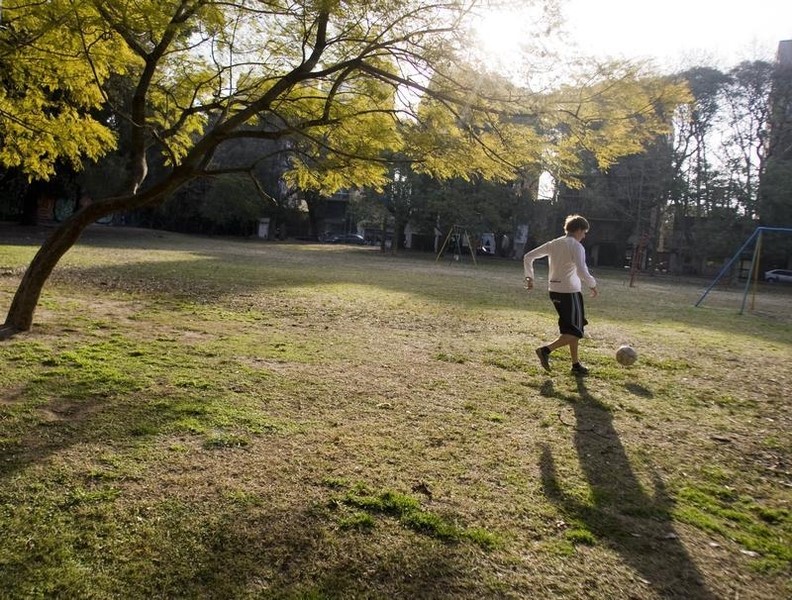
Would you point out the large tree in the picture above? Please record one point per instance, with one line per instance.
(748, 111)
(694, 126)
(350, 81)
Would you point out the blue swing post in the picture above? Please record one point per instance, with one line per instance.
(754, 262)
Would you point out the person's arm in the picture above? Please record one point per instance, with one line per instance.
(528, 260)
(579, 256)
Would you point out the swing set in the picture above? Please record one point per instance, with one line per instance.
(753, 277)
(456, 239)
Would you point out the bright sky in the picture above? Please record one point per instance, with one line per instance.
(674, 33)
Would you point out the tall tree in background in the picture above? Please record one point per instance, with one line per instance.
(402, 200)
(353, 80)
(694, 125)
(691, 182)
(775, 188)
(479, 206)
(747, 120)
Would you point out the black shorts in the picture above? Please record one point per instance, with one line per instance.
(571, 313)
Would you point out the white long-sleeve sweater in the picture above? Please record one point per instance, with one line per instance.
(568, 268)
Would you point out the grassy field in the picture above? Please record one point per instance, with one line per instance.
(200, 418)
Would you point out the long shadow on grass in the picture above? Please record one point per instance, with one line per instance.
(261, 286)
(63, 423)
(90, 400)
(276, 554)
(184, 545)
(623, 515)
(176, 542)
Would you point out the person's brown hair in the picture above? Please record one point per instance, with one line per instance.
(575, 223)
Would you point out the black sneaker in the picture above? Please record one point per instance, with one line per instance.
(544, 357)
(579, 370)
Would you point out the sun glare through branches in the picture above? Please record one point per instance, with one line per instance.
(519, 40)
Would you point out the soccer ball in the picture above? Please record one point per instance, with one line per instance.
(626, 355)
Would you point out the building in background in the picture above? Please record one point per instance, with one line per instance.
(775, 189)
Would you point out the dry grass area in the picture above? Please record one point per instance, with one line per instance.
(202, 418)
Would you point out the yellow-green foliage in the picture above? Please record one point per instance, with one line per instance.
(346, 152)
(616, 113)
(496, 130)
(48, 86)
(196, 62)
(56, 57)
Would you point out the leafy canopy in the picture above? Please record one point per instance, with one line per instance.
(347, 83)
(48, 88)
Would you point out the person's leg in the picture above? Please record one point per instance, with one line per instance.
(571, 321)
(573, 350)
(543, 352)
(565, 339)
(577, 368)
(579, 323)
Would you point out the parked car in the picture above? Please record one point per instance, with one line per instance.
(778, 275)
(349, 238)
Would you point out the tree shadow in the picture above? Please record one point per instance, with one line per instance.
(62, 423)
(638, 390)
(207, 546)
(636, 524)
(289, 555)
(173, 547)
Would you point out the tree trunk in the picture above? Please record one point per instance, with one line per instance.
(20, 315)
(383, 238)
(398, 236)
(23, 306)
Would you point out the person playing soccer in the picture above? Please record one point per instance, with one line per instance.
(568, 269)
